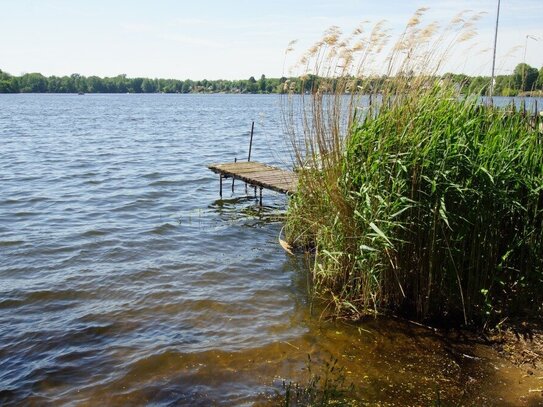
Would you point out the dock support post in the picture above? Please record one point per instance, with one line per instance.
(220, 185)
(260, 196)
(234, 178)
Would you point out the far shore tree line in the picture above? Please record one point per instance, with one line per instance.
(525, 80)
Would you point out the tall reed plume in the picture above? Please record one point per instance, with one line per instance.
(414, 200)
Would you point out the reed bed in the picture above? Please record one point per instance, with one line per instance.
(414, 200)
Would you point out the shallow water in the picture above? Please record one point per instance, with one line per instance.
(125, 280)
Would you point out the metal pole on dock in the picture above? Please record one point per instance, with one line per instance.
(250, 149)
(251, 141)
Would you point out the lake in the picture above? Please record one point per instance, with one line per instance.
(126, 280)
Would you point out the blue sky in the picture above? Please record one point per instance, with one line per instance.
(228, 39)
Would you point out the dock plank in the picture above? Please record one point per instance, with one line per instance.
(258, 174)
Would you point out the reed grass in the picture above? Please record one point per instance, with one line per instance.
(423, 203)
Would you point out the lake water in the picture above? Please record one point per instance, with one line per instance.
(124, 280)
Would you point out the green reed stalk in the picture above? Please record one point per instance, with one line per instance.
(424, 204)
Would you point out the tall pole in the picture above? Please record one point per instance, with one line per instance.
(249, 157)
(494, 55)
(251, 141)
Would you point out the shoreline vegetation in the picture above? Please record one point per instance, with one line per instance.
(424, 204)
(524, 81)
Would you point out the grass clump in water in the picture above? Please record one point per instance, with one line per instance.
(425, 203)
(327, 387)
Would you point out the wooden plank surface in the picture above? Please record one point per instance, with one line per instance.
(258, 174)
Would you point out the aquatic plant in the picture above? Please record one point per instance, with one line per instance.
(326, 386)
(415, 200)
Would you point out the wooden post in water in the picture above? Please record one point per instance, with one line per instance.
(251, 141)
(250, 149)
(220, 185)
(233, 179)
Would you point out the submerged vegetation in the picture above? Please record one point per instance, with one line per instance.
(328, 386)
(416, 200)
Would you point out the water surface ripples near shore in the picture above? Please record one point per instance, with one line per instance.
(124, 279)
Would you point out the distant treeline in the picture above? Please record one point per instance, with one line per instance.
(75, 83)
(523, 79)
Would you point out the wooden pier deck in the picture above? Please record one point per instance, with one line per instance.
(258, 175)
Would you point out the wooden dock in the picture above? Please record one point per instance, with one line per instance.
(258, 175)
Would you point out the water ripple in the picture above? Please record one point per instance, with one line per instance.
(126, 280)
(108, 240)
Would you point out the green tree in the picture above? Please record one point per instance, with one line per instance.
(479, 85)
(525, 77)
(54, 84)
(121, 84)
(503, 85)
(67, 84)
(187, 86)
(5, 86)
(539, 83)
(79, 82)
(33, 82)
(95, 85)
(135, 85)
(148, 86)
(6, 83)
(262, 84)
(252, 86)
